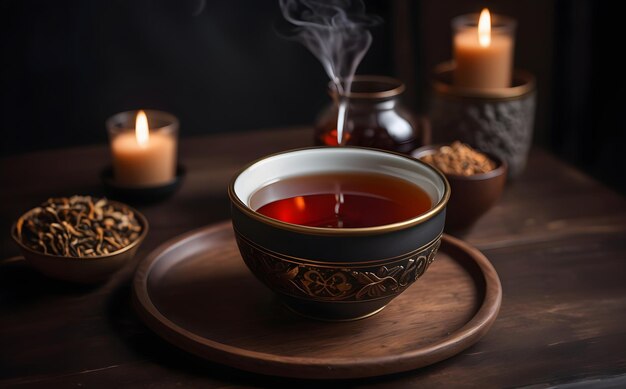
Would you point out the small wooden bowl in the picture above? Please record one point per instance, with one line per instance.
(471, 196)
(85, 270)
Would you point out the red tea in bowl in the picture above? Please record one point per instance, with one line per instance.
(358, 211)
(341, 200)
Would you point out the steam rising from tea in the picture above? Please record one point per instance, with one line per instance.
(336, 33)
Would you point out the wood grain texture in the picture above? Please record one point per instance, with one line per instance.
(557, 239)
(196, 292)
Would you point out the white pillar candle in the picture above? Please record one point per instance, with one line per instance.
(483, 55)
(144, 157)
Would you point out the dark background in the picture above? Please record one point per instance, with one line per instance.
(220, 66)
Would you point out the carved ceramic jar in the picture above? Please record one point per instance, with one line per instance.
(498, 121)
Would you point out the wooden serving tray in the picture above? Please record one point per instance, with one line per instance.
(196, 292)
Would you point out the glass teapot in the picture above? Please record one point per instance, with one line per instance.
(375, 118)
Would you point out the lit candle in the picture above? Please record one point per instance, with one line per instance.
(483, 54)
(141, 156)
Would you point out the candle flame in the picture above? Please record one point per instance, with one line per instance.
(484, 28)
(142, 132)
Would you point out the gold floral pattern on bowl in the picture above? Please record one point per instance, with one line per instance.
(343, 282)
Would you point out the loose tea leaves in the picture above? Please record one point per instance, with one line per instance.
(78, 226)
(460, 159)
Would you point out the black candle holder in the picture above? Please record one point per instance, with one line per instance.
(141, 194)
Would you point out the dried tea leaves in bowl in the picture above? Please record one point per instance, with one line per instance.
(78, 226)
(460, 159)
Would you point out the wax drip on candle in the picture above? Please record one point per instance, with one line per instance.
(142, 131)
(336, 33)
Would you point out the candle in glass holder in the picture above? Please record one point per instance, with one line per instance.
(143, 154)
(483, 51)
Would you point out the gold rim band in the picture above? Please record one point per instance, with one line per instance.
(523, 83)
(396, 88)
(434, 211)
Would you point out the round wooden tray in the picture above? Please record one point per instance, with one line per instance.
(196, 292)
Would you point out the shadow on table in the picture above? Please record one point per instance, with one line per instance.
(21, 285)
(128, 326)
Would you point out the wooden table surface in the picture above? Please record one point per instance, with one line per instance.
(557, 239)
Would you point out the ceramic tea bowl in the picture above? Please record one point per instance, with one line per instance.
(337, 273)
(82, 270)
(472, 196)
